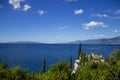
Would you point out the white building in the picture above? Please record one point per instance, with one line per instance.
(76, 65)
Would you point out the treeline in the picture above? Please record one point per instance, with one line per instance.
(109, 70)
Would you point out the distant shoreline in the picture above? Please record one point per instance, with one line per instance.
(115, 40)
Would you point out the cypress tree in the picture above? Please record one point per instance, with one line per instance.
(90, 57)
(43, 66)
(84, 58)
(79, 51)
(71, 61)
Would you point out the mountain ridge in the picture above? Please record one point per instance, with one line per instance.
(114, 40)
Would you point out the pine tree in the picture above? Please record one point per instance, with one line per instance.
(79, 51)
(71, 61)
(43, 66)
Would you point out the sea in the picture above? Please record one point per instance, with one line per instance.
(30, 56)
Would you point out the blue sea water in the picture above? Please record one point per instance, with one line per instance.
(30, 56)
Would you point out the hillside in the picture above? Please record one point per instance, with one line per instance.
(115, 40)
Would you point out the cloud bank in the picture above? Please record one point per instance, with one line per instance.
(15, 3)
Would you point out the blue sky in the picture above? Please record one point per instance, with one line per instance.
(54, 21)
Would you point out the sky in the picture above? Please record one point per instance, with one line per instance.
(56, 21)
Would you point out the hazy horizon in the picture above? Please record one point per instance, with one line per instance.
(53, 42)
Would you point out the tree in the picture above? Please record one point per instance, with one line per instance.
(114, 56)
(3, 70)
(34, 76)
(79, 51)
(114, 65)
(17, 73)
(92, 71)
(3, 65)
(59, 71)
(71, 62)
(83, 58)
(43, 66)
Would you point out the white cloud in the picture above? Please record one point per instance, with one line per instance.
(79, 11)
(65, 27)
(15, 3)
(26, 7)
(100, 15)
(93, 24)
(115, 30)
(71, 0)
(99, 35)
(1, 6)
(117, 11)
(42, 12)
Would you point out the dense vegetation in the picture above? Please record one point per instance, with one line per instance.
(88, 70)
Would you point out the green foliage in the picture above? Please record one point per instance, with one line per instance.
(3, 71)
(83, 59)
(3, 65)
(18, 73)
(92, 71)
(81, 55)
(114, 56)
(114, 65)
(34, 76)
(59, 71)
(14, 73)
(114, 69)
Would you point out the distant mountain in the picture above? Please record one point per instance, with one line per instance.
(115, 40)
(29, 42)
(24, 42)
